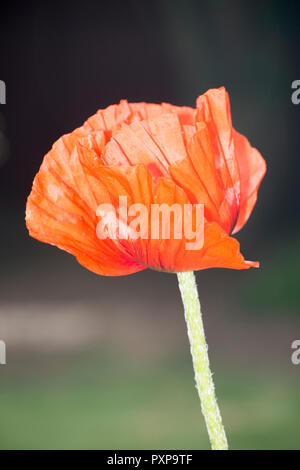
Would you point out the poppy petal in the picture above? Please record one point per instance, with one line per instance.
(156, 143)
(113, 117)
(154, 155)
(198, 176)
(171, 254)
(214, 109)
(252, 169)
(61, 209)
(219, 251)
(148, 111)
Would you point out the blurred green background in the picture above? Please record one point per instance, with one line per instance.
(96, 362)
(100, 400)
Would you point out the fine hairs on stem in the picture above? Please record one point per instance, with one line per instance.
(203, 375)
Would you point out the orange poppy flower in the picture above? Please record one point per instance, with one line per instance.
(151, 154)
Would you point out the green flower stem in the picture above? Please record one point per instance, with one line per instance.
(203, 376)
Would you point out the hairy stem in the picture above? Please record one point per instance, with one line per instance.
(203, 375)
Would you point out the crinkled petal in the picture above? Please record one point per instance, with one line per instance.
(197, 174)
(171, 254)
(155, 143)
(252, 168)
(61, 209)
(153, 155)
(214, 109)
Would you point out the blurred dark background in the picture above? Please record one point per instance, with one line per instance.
(104, 362)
